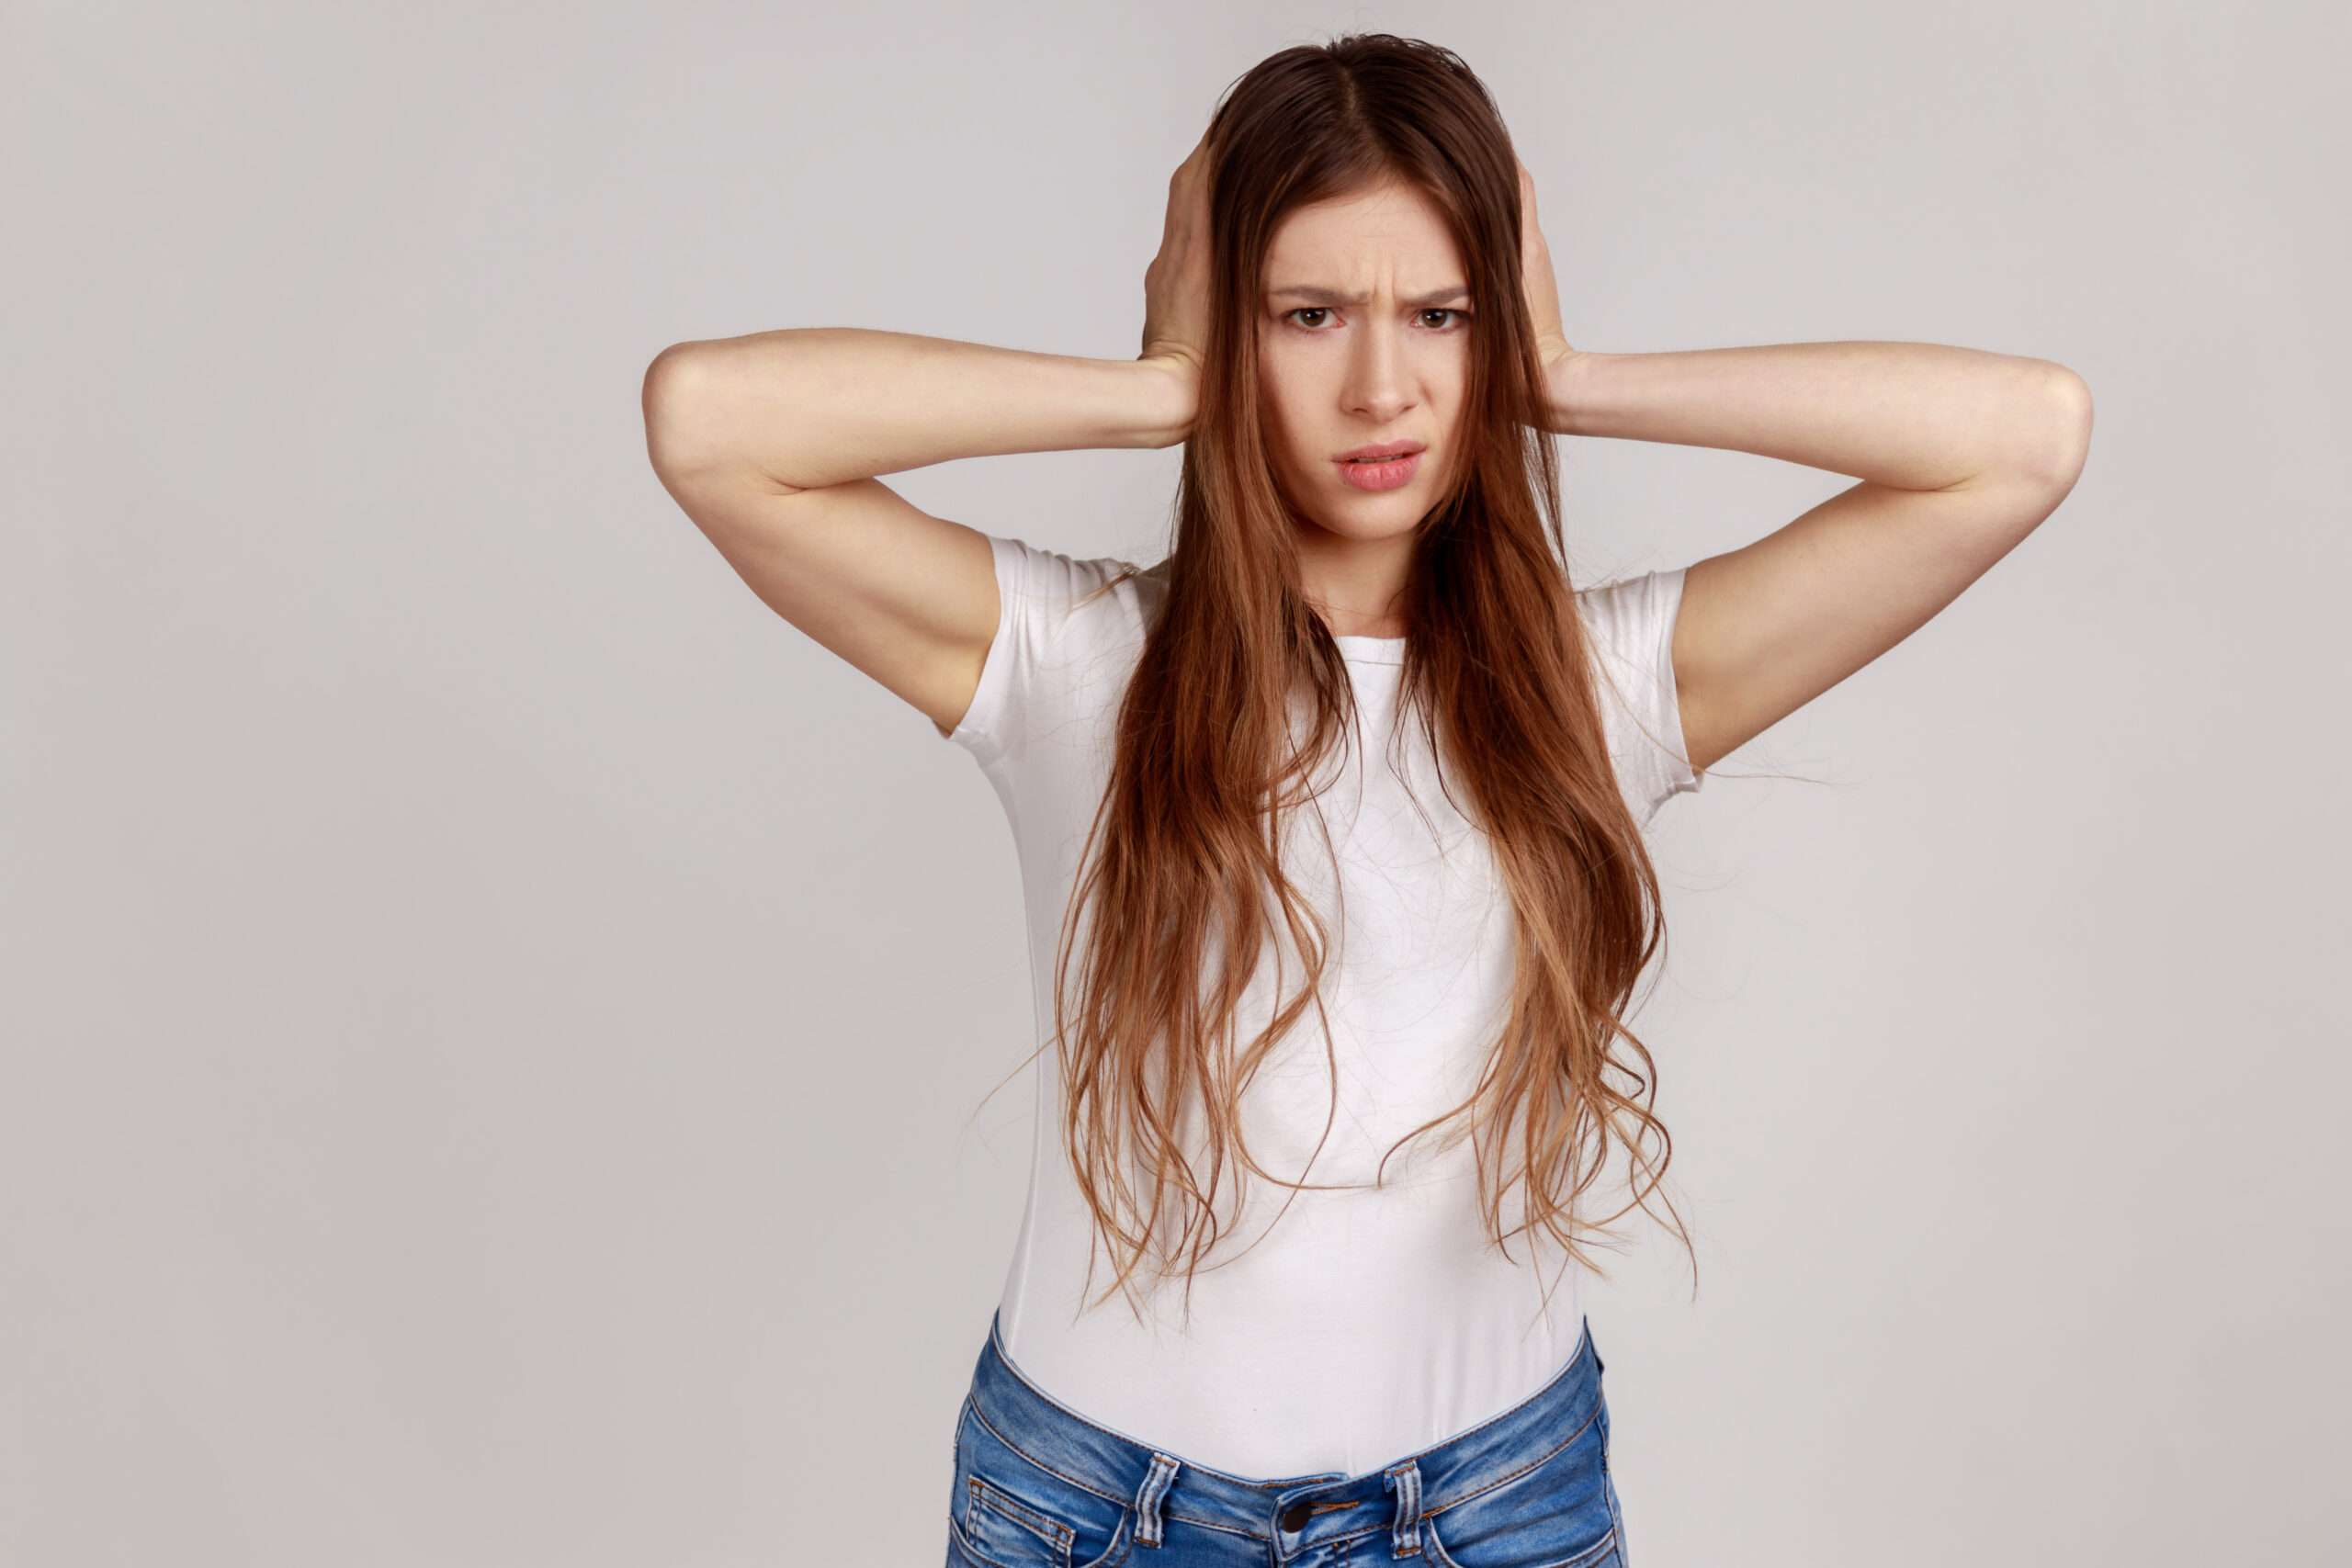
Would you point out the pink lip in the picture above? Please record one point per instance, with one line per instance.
(1380, 476)
(1382, 449)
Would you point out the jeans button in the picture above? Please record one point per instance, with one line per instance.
(1294, 1517)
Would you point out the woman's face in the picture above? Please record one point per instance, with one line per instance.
(1363, 337)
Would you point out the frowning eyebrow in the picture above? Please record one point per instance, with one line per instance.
(1332, 296)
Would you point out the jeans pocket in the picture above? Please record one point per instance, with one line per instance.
(1556, 1512)
(1008, 1510)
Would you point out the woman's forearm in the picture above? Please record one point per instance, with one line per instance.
(1911, 416)
(815, 406)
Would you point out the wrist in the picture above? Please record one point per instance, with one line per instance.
(1573, 384)
(1171, 400)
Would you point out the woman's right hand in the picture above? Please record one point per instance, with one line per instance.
(1176, 284)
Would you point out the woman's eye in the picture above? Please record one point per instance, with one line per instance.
(1325, 310)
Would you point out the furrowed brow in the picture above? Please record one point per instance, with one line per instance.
(1332, 296)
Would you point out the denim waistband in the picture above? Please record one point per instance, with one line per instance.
(1293, 1512)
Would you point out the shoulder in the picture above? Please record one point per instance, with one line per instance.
(1629, 623)
(1069, 630)
(1066, 592)
(1628, 616)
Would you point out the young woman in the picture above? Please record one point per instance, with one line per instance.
(1330, 823)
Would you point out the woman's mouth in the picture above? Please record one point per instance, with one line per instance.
(1379, 473)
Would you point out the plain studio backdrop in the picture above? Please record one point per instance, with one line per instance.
(494, 1017)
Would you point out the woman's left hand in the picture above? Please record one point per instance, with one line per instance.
(1541, 288)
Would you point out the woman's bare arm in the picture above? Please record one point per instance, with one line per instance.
(803, 408)
(770, 443)
(1961, 453)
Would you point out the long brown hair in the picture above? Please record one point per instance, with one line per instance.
(1189, 882)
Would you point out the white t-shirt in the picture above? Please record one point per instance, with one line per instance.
(1366, 1323)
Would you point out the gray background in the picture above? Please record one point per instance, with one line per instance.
(493, 1017)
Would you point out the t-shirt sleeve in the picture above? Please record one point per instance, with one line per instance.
(1630, 624)
(1038, 651)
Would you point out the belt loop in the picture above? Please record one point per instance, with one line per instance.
(1404, 1479)
(1155, 1486)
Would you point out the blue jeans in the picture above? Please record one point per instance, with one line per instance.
(1038, 1485)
